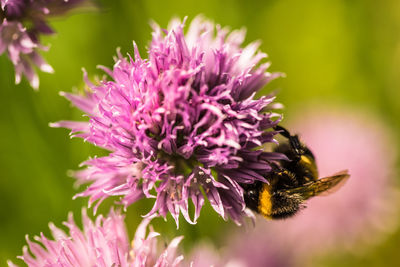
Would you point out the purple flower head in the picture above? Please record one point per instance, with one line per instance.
(182, 124)
(103, 242)
(22, 23)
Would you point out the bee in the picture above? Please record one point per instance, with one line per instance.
(291, 182)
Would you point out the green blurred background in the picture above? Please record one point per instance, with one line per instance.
(340, 52)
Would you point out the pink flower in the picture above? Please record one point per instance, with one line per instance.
(103, 242)
(180, 123)
(22, 23)
(362, 213)
(241, 251)
(364, 208)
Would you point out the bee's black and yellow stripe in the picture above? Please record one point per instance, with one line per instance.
(270, 202)
(309, 166)
(273, 203)
(291, 182)
(277, 204)
(265, 201)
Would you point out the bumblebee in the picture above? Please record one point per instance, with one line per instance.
(291, 182)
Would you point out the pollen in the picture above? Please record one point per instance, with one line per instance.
(265, 205)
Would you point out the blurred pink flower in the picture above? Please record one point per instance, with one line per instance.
(22, 22)
(241, 251)
(103, 242)
(366, 205)
(361, 213)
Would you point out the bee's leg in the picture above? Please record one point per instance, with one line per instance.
(293, 140)
(282, 131)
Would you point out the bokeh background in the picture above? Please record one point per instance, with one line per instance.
(341, 54)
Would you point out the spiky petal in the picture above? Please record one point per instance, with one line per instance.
(103, 242)
(22, 23)
(182, 122)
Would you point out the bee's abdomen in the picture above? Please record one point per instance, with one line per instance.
(284, 205)
(269, 203)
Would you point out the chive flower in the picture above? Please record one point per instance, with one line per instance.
(103, 242)
(22, 23)
(182, 124)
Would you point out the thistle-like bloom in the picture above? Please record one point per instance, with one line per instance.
(181, 123)
(103, 242)
(22, 23)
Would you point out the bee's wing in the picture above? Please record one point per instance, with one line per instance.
(321, 186)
